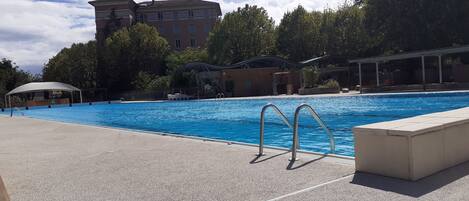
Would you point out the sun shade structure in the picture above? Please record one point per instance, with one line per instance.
(43, 86)
(418, 54)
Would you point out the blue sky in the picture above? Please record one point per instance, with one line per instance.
(32, 31)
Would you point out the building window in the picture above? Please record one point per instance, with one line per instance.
(152, 17)
(191, 13)
(193, 43)
(247, 84)
(176, 29)
(168, 15)
(192, 29)
(161, 29)
(160, 16)
(178, 44)
(198, 13)
(182, 14)
(206, 28)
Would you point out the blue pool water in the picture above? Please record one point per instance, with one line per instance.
(238, 120)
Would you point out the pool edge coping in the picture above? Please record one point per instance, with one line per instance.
(350, 158)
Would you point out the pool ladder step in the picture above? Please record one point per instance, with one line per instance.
(296, 141)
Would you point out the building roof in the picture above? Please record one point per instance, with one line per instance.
(42, 86)
(174, 4)
(110, 2)
(313, 60)
(416, 54)
(256, 62)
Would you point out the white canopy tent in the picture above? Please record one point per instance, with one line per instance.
(42, 86)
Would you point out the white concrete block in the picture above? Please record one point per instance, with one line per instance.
(413, 148)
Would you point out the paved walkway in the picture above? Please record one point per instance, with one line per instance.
(43, 160)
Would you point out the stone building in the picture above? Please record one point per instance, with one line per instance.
(184, 23)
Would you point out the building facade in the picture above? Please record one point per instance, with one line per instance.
(258, 76)
(184, 23)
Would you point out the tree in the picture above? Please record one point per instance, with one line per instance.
(75, 65)
(149, 82)
(345, 33)
(179, 76)
(11, 77)
(242, 34)
(131, 50)
(310, 76)
(299, 36)
(407, 25)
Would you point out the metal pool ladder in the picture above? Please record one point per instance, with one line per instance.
(280, 114)
(315, 115)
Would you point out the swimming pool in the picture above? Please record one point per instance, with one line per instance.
(238, 120)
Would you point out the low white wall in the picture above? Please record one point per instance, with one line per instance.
(413, 148)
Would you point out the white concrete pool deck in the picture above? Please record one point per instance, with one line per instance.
(44, 160)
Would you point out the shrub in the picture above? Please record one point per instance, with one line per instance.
(150, 82)
(310, 77)
(330, 84)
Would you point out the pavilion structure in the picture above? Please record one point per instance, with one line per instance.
(410, 55)
(42, 86)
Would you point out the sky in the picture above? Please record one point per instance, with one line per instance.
(33, 31)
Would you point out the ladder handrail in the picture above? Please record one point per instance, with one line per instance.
(296, 141)
(220, 96)
(280, 114)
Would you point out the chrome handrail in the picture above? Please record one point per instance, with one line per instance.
(280, 114)
(315, 115)
(220, 96)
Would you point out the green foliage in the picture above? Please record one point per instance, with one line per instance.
(310, 76)
(136, 57)
(242, 34)
(176, 61)
(11, 77)
(345, 33)
(303, 35)
(162, 83)
(299, 36)
(131, 50)
(407, 25)
(330, 84)
(150, 82)
(75, 65)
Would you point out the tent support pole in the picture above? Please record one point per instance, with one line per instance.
(71, 101)
(424, 81)
(81, 97)
(440, 70)
(377, 74)
(11, 108)
(360, 76)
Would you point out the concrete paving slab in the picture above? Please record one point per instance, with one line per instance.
(451, 184)
(44, 160)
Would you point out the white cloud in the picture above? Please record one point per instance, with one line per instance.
(32, 31)
(277, 8)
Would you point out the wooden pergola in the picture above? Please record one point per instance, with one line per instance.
(419, 54)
